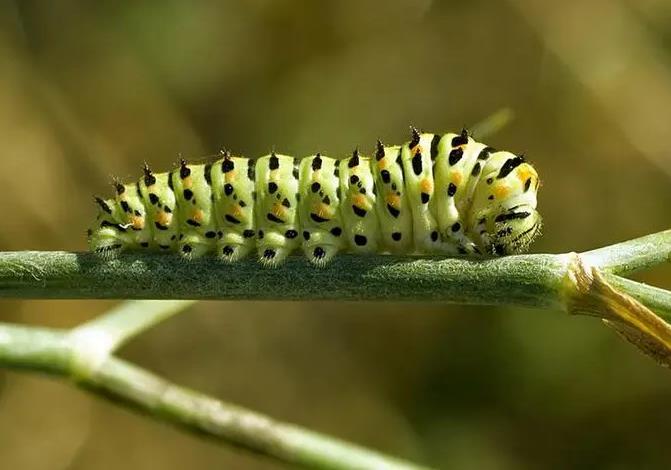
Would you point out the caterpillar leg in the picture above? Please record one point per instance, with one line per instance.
(230, 251)
(319, 247)
(321, 255)
(193, 247)
(457, 238)
(273, 248)
(272, 256)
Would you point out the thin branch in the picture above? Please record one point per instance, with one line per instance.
(633, 255)
(531, 280)
(656, 299)
(127, 320)
(34, 348)
(98, 338)
(51, 351)
(514, 280)
(594, 295)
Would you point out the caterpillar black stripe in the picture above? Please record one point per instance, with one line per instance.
(437, 194)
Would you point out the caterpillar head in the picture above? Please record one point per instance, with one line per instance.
(512, 231)
(504, 218)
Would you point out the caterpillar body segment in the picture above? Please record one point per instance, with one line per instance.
(233, 188)
(276, 209)
(392, 204)
(321, 218)
(362, 232)
(437, 194)
(195, 210)
(456, 169)
(157, 205)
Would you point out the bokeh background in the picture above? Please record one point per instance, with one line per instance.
(93, 89)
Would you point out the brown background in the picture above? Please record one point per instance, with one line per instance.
(92, 89)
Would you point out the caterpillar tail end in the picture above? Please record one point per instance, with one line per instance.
(104, 243)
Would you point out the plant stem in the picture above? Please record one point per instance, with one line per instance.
(514, 280)
(84, 353)
(656, 299)
(98, 338)
(127, 320)
(632, 255)
(51, 351)
(530, 280)
(34, 348)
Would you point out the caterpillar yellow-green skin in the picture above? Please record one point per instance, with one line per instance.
(437, 194)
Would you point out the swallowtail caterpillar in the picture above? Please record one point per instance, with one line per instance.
(437, 194)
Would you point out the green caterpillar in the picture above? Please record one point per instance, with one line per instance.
(437, 194)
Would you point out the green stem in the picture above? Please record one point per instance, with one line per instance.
(33, 348)
(51, 351)
(530, 280)
(95, 340)
(514, 280)
(633, 255)
(127, 320)
(656, 299)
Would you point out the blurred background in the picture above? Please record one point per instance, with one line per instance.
(90, 90)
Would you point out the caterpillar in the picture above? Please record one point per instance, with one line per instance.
(436, 194)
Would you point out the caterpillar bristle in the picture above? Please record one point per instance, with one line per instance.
(184, 170)
(273, 257)
(414, 137)
(228, 254)
(379, 150)
(321, 256)
(118, 187)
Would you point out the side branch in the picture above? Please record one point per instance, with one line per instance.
(51, 351)
(633, 255)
